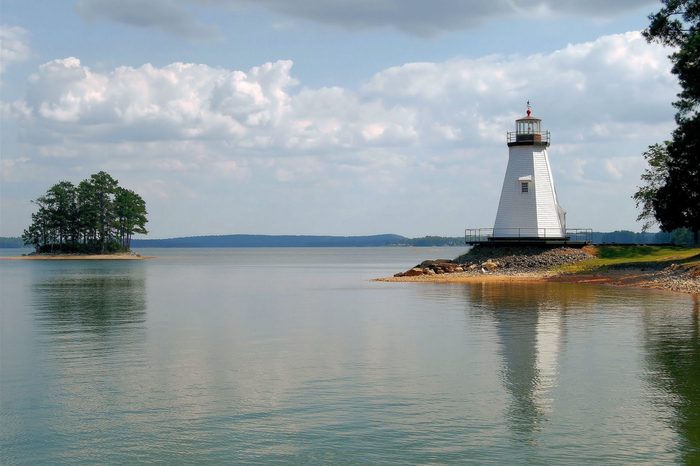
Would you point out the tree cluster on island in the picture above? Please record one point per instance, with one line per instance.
(97, 216)
(671, 192)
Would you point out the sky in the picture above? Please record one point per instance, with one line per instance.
(329, 117)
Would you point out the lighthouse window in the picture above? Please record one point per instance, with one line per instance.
(524, 187)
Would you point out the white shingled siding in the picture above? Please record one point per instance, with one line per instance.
(535, 213)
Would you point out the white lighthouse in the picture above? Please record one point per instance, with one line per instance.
(529, 208)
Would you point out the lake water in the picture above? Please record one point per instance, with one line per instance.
(293, 356)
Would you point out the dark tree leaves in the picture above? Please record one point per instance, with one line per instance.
(672, 189)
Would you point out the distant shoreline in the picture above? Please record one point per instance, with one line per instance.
(91, 257)
(379, 240)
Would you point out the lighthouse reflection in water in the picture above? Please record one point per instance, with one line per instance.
(529, 329)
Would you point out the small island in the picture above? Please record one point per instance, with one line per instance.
(94, 220)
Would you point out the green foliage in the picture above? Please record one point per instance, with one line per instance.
(672, 190)
(98, 216)
(677, 201)
(129, 214)
(653, 178)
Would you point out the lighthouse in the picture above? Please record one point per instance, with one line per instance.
(529, 208)
(528, 211)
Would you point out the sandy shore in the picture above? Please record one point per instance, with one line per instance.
(469, 277)
(678, 281)
(64, 257)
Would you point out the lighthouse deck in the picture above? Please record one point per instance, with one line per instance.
(528, 236)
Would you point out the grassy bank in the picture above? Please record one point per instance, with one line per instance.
(613, 257)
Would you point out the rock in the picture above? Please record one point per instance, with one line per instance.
(517, 259)
(506, 260)
(400, 274)
(489, 265)
(436, 263)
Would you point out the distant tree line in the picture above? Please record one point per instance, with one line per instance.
(679, 236)
(97, 216)
(432, 241)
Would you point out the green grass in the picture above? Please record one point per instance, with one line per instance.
(615, 256)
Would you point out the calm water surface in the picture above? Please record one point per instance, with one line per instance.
(292, 356)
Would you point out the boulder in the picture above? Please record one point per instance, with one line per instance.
(489, 265)
(436, 262)
(414, 272)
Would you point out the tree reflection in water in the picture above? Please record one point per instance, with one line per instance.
(673, 352)
(84, 309)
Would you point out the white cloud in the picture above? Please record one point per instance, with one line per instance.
(433, 129)
(604, 89)
(616, 78)
(14, 46)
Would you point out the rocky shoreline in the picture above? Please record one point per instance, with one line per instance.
(503, 261)
(544, 264)
(674, 277)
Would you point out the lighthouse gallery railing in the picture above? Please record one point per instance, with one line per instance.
(514, 136)
(484, 235)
